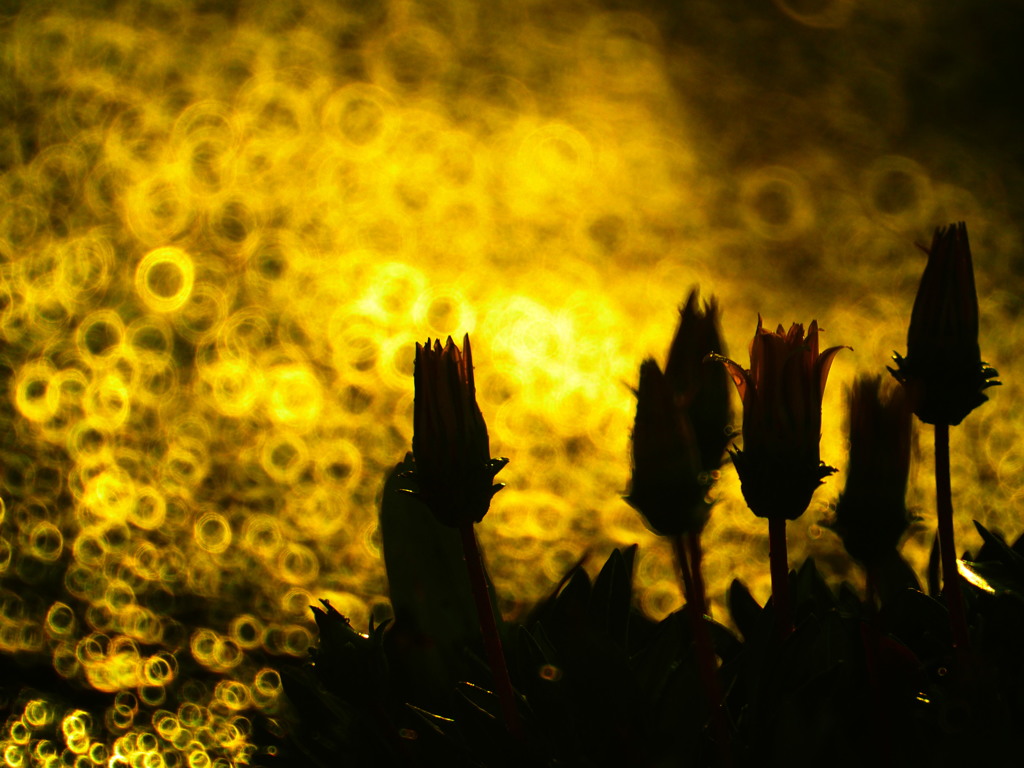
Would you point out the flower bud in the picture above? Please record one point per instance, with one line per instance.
(454, 469)
(701, 390)
(666, 486)
(943, 372)
(780, 466)
(682, 426)
(871, 514)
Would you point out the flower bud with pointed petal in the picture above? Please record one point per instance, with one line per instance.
(943, 372)
(780, 465)
(701, 390)
(450, 446)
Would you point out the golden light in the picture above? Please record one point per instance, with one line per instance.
(224, 226)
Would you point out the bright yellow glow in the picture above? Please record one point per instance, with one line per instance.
(222, 235)
(973, 577)
(164, 279)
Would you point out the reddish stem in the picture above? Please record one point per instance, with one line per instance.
(871, 592)
(696, 557)
(683, 565)
(778, 558)
(693, 586)
(489, 630)
(871, 636)
(947, 546)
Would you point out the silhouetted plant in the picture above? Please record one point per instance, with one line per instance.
(944, 377)
(780, 465)
(680, 433)
(585, 678)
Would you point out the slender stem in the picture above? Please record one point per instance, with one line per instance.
(871, 592)
(683, 566)
(871, 637)
(947, 546)
(933, 568)
(696, 556)
(696, 603)
(489, 630)
(778, 558)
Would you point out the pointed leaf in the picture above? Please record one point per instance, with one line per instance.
(435, 616)
(443, 726)
(933, 569)
(744, 609)
(996, 544)
(811, 593)
(895, 576)
(611, 598)
(991, 577)
(725, 643)
(573, 601)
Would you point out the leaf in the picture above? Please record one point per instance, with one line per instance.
(480, 699)
(920, 621)
(539, 678)
(351, 665)
(848, 600)
(744, 609)
(527, 652)
(995, 547)
(1018, 545)
(478, 714)
(991, 577)
(726, 644)
(810, 591)
(666, 650)
(612, 595)
(442, 726)
(573, 602)
(895, 576)
(435, 616)
(679, 704)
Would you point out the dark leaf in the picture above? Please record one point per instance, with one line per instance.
(612, 595)
(435, 617)
(744, 609)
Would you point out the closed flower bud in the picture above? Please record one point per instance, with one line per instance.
(667, 487)
(454, 469)
(780, 465)
(871, 514)
(682, 426)
(701, 390)
(943, 372)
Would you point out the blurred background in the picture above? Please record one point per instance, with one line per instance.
(225, 225)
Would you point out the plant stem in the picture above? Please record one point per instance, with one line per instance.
(696, 556)
(871, 637)
(489, 630)
(933, 568)
(696, 603)
(778, 558)
(871, 592)
(683, 564)
(947, 546)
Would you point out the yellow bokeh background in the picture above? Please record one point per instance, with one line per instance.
(224, 226)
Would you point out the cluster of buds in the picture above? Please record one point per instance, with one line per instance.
(682, 426)
(683, 418)
(680, 436)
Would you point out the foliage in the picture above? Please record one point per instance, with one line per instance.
(600, 684)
